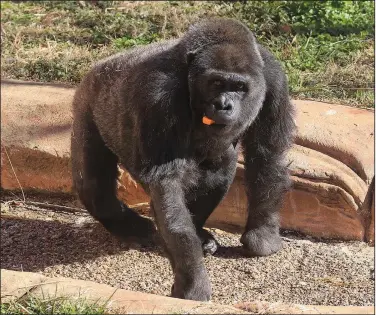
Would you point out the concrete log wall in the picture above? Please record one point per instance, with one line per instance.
(15, 285)
(332, 162)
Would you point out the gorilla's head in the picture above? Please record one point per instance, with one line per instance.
(225, 75)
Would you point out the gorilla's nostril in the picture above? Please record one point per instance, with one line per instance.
(227, 107)
(218, 105)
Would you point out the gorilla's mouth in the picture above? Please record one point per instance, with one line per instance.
(214, 125)
(218, 126)
(216, 130)
(219, 119)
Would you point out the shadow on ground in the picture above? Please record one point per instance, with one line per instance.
(49, 243)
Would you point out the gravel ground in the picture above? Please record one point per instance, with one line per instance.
(306, 271)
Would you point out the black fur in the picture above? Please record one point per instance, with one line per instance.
(143, 109)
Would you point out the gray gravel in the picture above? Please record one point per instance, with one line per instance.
(306, 271)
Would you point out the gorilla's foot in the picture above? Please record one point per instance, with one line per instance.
(209, 243)
(192, 285)
(129, 224)
(262, 241)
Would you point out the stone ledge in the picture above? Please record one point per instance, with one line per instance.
(16, 284)
(332, 162)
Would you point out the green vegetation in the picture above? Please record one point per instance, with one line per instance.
(34, 305)
(326, 47)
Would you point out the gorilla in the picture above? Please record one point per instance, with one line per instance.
(175, 115)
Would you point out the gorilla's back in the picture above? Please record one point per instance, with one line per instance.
(137, 54)
(111, 92)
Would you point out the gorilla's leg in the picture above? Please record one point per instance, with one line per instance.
(95, 173)
(201, 208)
(180, 240)
(267, 183)
(216, 182)
(266, 172)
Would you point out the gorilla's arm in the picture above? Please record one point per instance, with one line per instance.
(162, 134)
(180, 239)
(265, 144)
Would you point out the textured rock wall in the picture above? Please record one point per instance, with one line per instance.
(332, 162)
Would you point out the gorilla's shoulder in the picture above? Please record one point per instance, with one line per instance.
(273, 70)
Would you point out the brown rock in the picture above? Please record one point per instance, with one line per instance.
(342, 132)
(369, 215)
(36, 116)
(331, 163)
(370, 237)
(129, 190)
(35, 169)
(317, 209)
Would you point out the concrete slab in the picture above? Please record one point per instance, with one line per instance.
(130, 302)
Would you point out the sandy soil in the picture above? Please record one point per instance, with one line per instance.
(306, 271)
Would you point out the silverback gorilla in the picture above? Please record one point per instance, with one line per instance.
(148, 109)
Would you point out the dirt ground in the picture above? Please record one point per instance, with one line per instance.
(306, 271)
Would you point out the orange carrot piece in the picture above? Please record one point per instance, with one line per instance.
(207, 121)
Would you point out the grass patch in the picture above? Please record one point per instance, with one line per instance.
(35, 305)
(325, 47)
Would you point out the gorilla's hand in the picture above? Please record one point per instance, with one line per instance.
(209, 243)
(262, 241)
(192, 286)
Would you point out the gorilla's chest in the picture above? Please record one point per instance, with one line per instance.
(203, 175)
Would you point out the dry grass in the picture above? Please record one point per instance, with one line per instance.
(58, 41)
(53, 305)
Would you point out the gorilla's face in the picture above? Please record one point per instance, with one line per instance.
(227, 86)
(221, 95)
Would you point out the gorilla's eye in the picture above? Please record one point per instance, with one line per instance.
(217, 83)
(240, 86)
